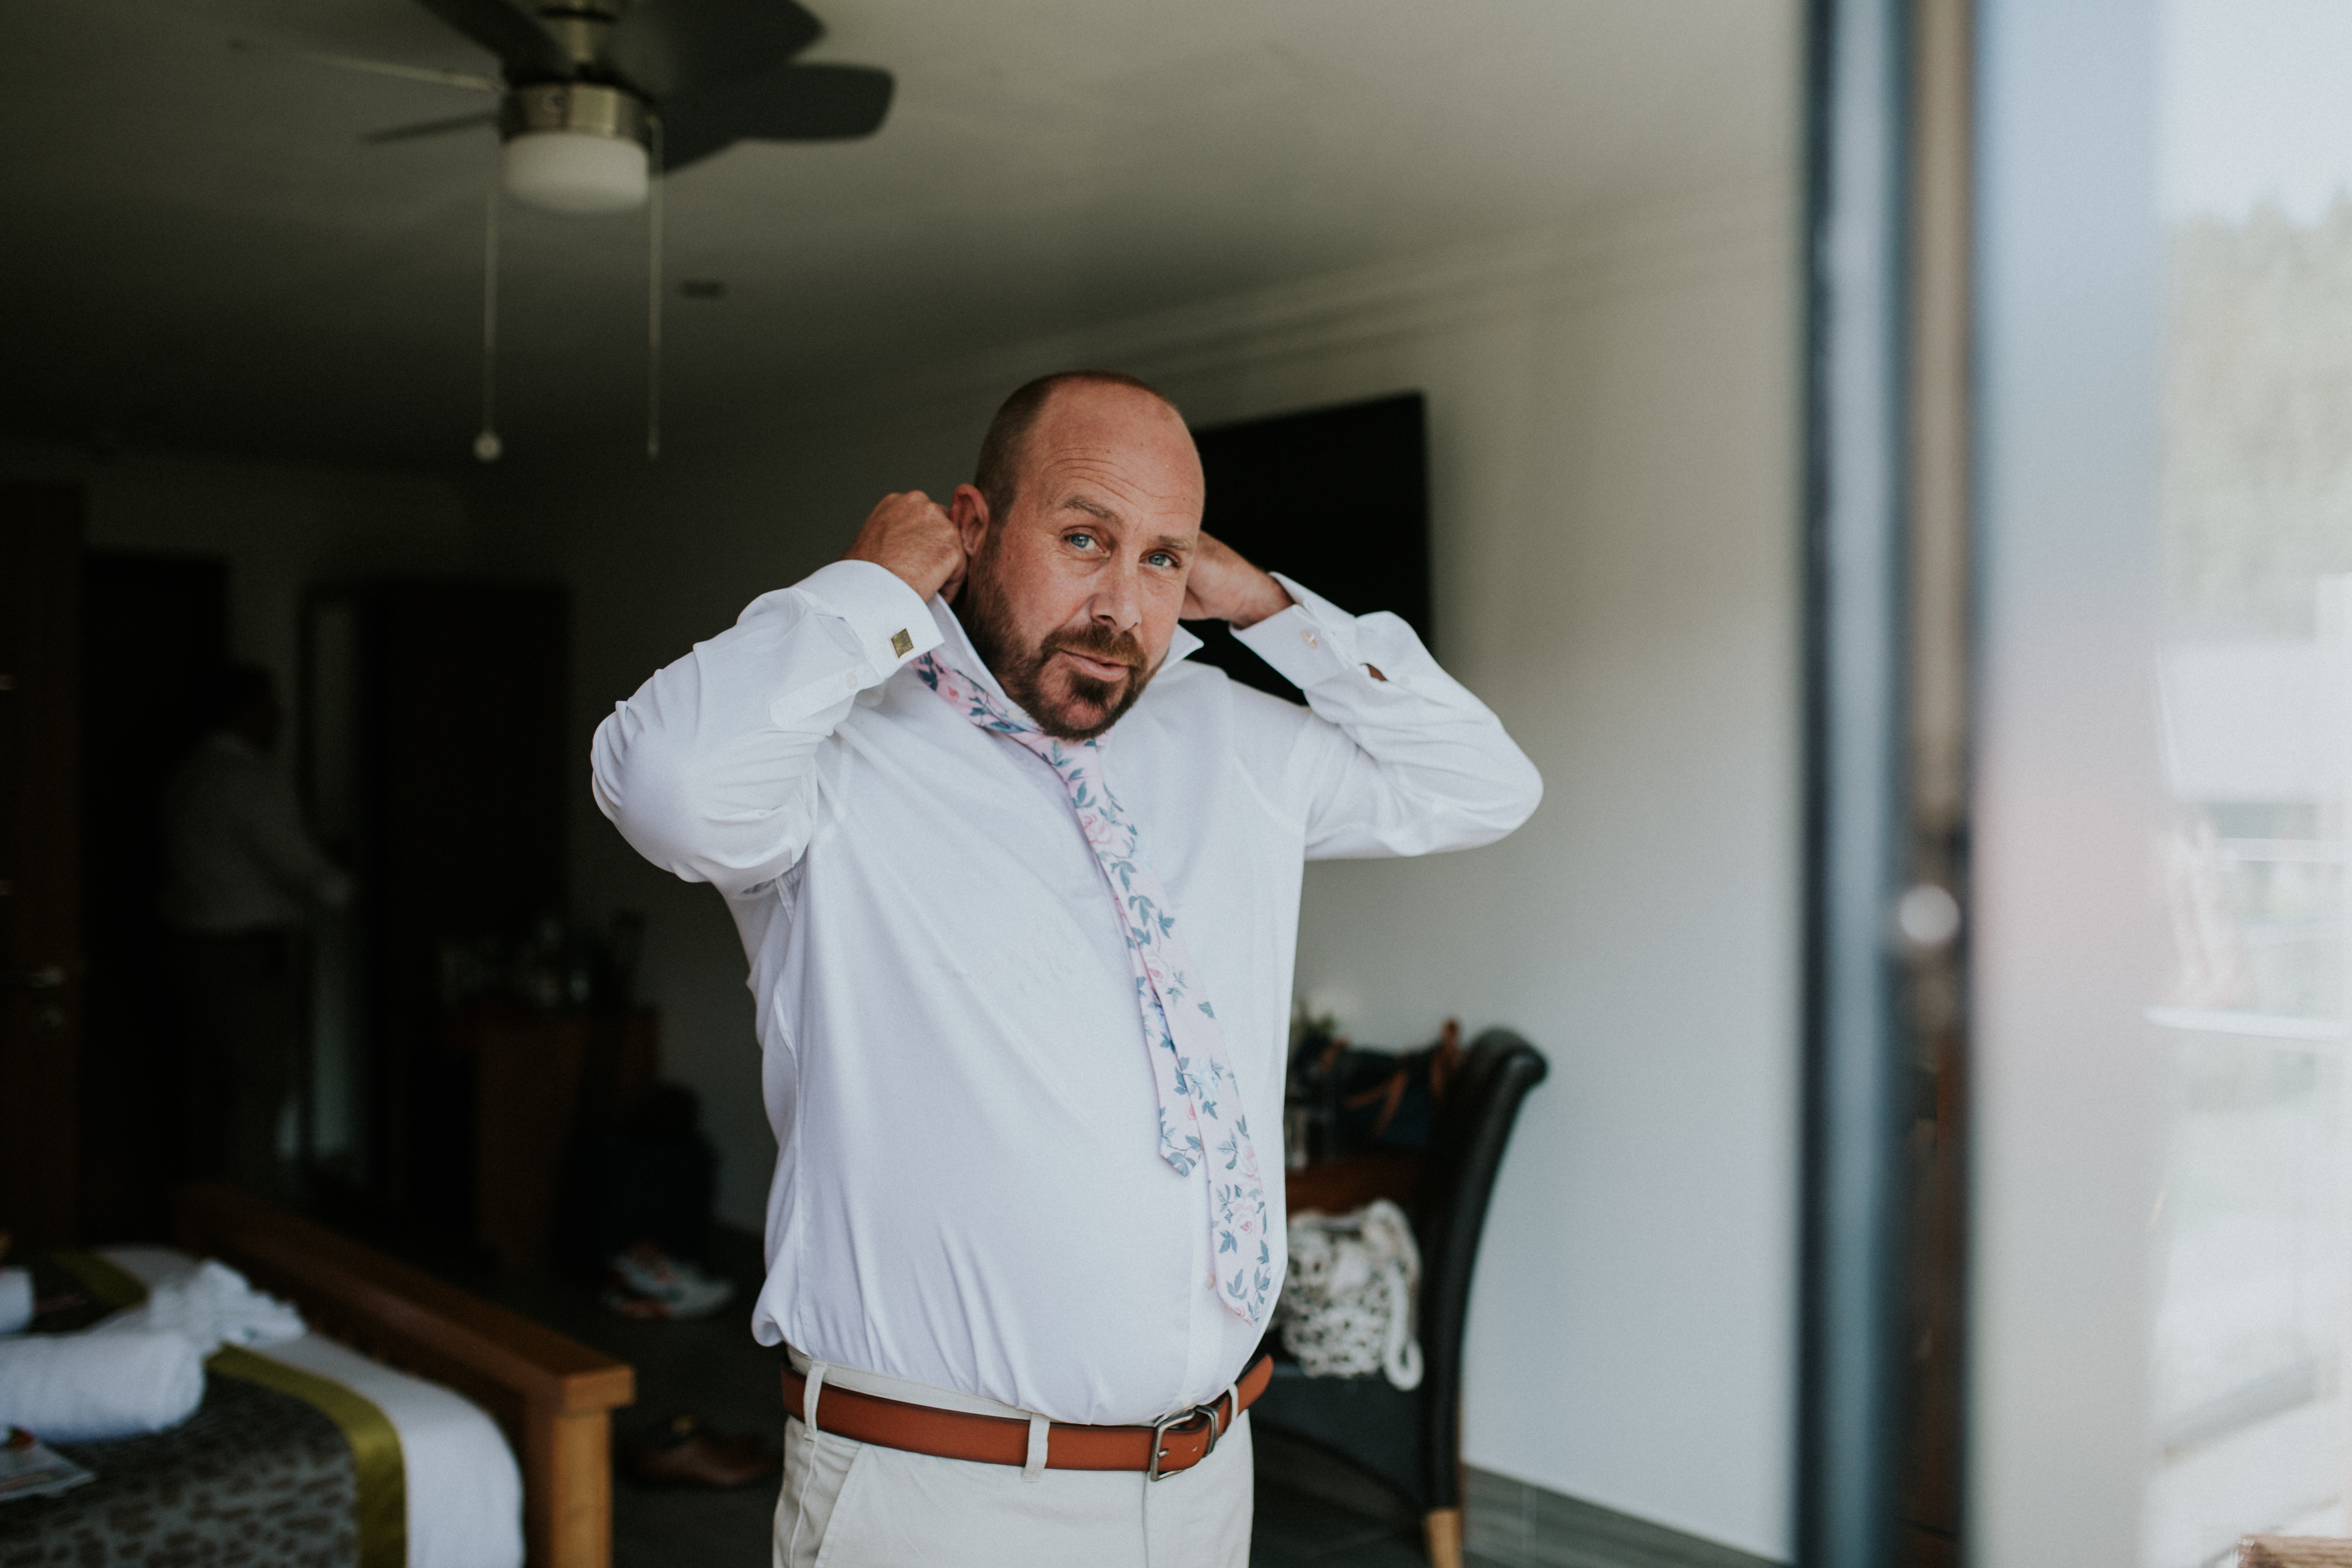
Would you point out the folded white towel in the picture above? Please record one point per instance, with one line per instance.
(210, 1305)
(87, 1388)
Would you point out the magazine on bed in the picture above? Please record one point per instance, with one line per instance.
(29, 1467)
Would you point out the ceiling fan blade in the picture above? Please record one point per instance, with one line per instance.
(430, 127)
(527, 50)
(375, 67)
(665, 48)
(790, 103)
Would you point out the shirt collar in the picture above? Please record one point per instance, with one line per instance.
(956, 646)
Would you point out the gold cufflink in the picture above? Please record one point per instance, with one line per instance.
(900, 643)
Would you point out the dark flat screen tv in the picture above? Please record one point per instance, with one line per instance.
(1337, 498)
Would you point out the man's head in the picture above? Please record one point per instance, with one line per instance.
(1081, 527)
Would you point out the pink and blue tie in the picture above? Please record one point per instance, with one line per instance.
(1200, 1112)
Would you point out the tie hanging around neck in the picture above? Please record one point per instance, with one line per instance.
(1201, 1113)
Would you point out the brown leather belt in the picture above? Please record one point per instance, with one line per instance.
(1158, 1451)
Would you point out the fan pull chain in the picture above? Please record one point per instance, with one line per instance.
(653, 296)
(487, 446)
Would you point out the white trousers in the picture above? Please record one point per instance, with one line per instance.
(847, 1504)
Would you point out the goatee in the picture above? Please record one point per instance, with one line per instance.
(1092, 706)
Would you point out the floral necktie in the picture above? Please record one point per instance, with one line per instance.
(1201, 1113)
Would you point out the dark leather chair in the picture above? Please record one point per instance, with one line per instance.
(1412, 1442)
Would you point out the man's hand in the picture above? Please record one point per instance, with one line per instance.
(911, 534)
(1224, 587)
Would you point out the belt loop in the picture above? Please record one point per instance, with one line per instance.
(1033, 1468)
(808, 1395)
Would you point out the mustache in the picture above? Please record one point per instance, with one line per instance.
(1097, 642)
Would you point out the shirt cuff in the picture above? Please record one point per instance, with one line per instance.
(1312, 641)
(888, 618)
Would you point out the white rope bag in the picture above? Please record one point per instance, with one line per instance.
(1346, 1304)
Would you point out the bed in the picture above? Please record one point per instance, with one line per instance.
(463, 1412)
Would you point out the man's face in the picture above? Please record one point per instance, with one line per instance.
(1072, 597)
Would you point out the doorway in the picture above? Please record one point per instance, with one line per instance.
(154, 637)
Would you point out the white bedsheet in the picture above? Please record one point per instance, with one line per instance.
(465, 1491)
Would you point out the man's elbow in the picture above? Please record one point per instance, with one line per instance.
(1511, 798)
(1523, 792)
(646, 792)
(684, 814)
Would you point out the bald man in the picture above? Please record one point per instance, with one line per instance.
(1019, 887)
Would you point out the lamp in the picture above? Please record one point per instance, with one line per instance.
(575, 147)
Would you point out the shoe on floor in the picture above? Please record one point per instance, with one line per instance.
(648, 1284)
(686, 1454)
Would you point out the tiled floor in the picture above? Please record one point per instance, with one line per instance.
(713, 1370)
(1295, 1528)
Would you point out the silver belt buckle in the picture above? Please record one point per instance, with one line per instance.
(1167, 1424)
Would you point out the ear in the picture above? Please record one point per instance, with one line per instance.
(969, 512)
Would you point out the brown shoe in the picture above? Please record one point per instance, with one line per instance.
(683, 1454)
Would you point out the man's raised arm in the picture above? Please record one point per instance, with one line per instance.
(707, 770)
(1407, 762)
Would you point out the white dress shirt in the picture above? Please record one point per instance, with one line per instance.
(969, 1193)
(236, 857)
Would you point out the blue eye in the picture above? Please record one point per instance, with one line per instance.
(1160, 558)
(1081, 540)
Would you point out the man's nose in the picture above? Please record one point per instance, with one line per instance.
(1119, 602)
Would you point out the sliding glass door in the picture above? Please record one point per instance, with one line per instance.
(2153, 401)
(2158, 958)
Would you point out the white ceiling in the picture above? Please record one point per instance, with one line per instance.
(200, 252)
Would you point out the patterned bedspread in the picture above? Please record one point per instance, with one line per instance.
(255, 1478)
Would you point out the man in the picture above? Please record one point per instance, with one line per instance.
(1020, 892)
(241, 876)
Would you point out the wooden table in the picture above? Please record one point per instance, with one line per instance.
(542, 1080)
(1348, 1182)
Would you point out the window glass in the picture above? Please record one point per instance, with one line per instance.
(2252, 1231)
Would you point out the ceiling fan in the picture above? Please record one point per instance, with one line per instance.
(594, 94)
(599, 99)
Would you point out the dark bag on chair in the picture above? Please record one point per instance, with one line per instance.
(1381, 1100)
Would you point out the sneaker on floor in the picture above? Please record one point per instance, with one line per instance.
(647, 1283)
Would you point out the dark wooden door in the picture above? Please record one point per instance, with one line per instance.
(474, 779)
(155, 637)
(457, 747)
(40, 928)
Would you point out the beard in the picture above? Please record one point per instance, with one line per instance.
(1083, 707)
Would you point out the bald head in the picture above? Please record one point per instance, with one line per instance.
(1003, 450)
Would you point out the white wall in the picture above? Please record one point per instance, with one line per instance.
(1617, 566)
(1613, 425)
(282, 528)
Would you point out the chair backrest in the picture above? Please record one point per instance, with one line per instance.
(1450, 1211)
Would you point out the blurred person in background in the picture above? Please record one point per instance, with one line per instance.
(241, 879)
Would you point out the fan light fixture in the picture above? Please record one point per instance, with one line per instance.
(566, 172)
(600, 99)
(575, 147)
